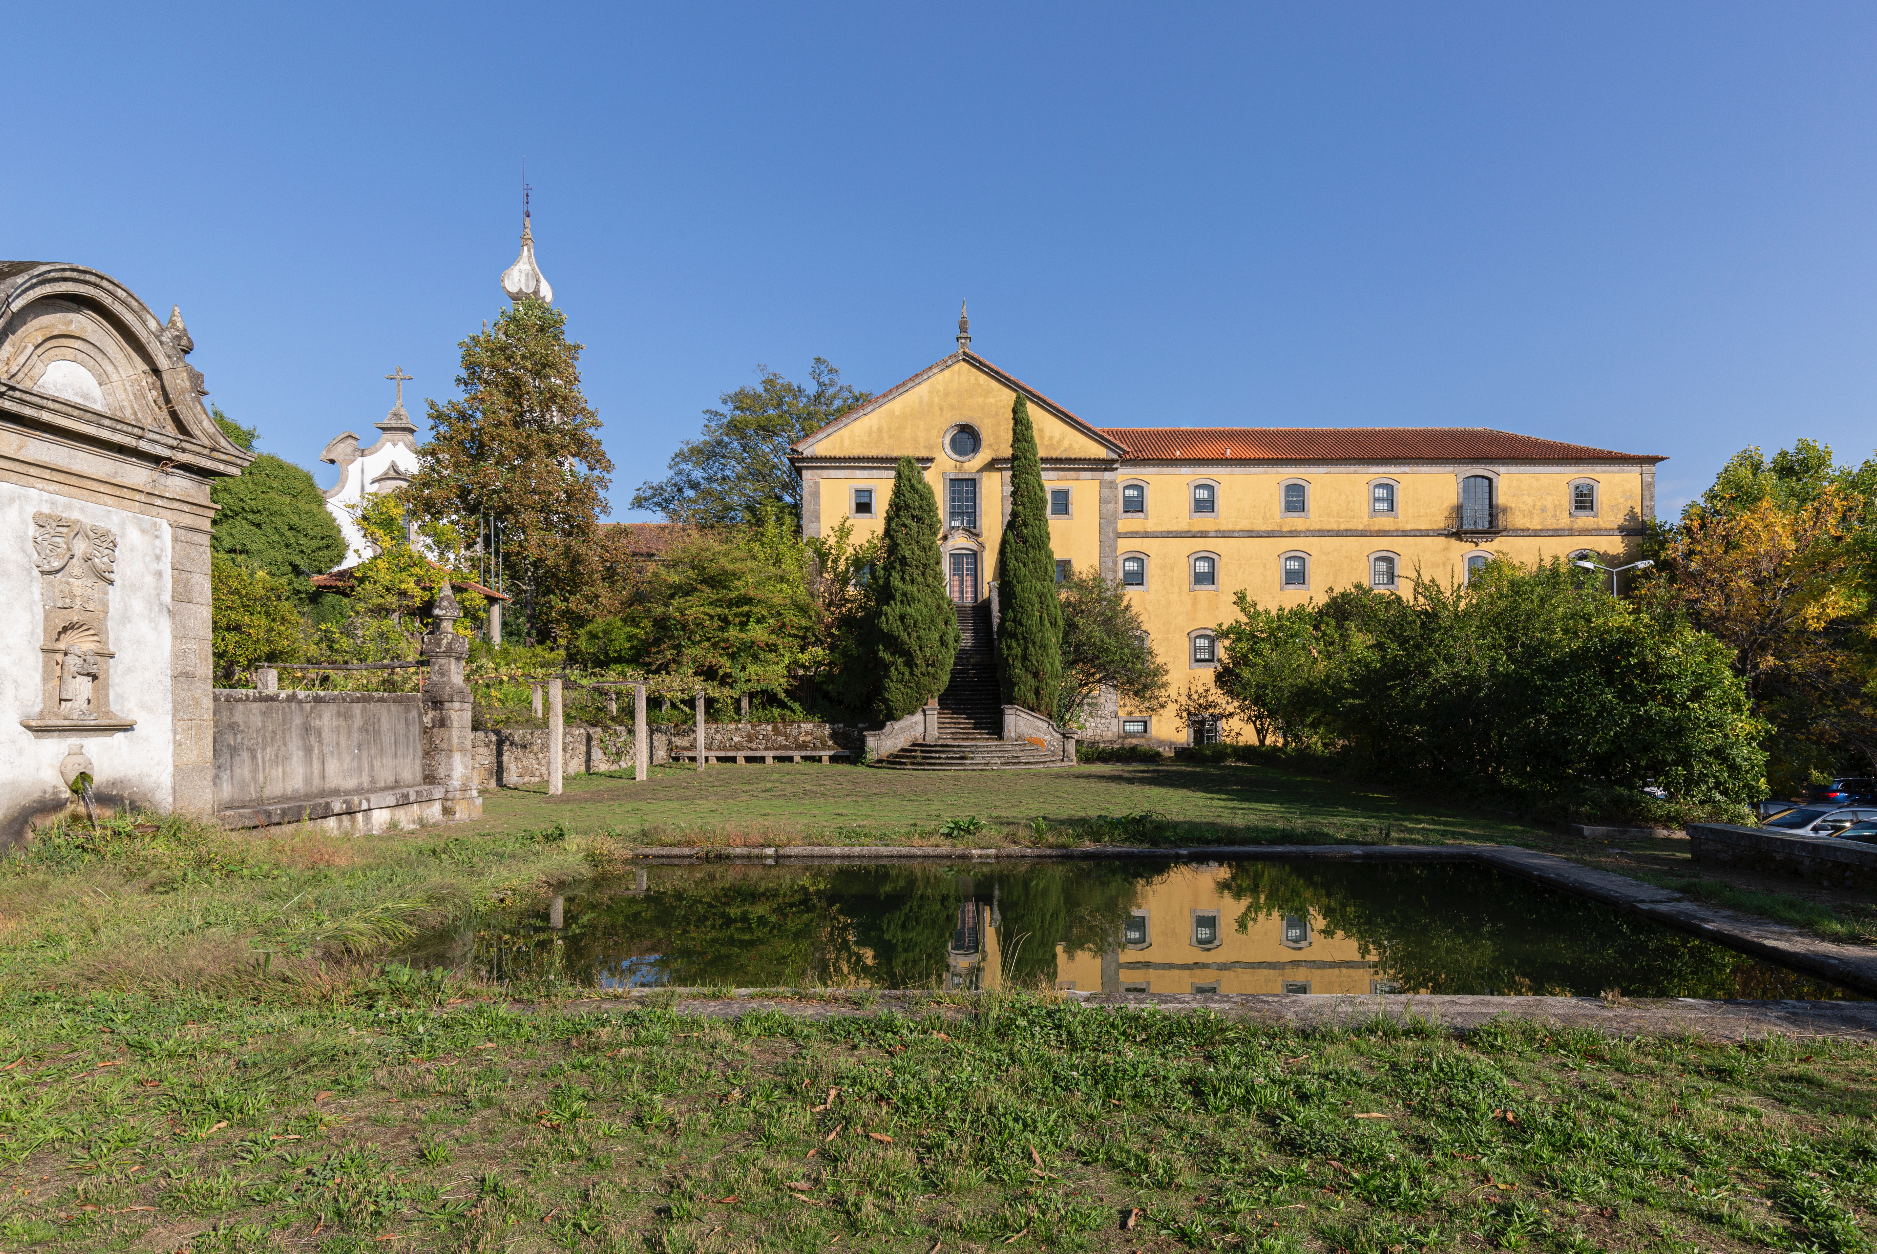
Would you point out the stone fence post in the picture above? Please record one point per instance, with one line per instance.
(266, 679)
(641, 738)
(556, 737)
(700, 731)
(449, 745)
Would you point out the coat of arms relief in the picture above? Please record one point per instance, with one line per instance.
(77, 563)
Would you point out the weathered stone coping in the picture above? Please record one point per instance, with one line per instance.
(275, 814)
(1715, 1020)
(1822, 859)
(299, 696)
(1851, 966)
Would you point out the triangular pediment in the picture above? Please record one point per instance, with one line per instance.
(914, 418)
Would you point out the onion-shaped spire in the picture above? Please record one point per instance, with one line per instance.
(524, 278)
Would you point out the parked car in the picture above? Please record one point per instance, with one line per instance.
(1863, 833)
(1844, 791)
(1820, 820)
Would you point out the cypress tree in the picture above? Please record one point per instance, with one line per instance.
(915, 629)
(1029, 637)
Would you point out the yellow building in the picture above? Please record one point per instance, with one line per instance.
(1183, 937)
(1187, 516)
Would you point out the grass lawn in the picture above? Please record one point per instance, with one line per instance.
(377, 1124)
(203, 1049)
(808, 804)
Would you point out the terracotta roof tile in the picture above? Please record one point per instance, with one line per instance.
(1328, 444)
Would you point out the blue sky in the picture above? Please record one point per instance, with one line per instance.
(1640, 227)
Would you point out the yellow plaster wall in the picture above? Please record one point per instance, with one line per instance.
(1339, 501)
(914, 422)
(1253, 961)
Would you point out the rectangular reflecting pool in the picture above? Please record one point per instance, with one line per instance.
(1249, 926)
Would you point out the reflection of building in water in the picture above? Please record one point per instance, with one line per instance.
(973, 959)
(1183, 937)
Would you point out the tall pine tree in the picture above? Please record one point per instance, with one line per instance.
(915, 629)
(521, 452)
(1029, 637)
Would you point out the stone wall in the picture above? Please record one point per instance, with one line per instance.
(277, 747)
(1822, 860)
(508, 759)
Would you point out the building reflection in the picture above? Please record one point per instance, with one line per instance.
(973, 958)
(1182, 936)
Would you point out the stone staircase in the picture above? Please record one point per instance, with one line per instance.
(971, 714)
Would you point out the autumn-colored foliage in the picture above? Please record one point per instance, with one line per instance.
(1776, 561)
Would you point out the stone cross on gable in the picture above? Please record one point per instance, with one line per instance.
(398, 374)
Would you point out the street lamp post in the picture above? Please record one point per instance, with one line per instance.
(1613, 571)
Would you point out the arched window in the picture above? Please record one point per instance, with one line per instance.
(1205, 649)
(1382, 571)
(1296, 571)
(1296, 498)
(1584, 496)
(1381, 497)
(1205, 499)
(1133, 498)
(1205, 572)
(1475, 563)
(1134, 572)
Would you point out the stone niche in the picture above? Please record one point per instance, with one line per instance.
(106, 458)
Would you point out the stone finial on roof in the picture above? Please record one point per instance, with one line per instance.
(178, 334)
(397, 424)
(964, 328)
(524, 278)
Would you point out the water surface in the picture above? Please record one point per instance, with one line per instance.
(1251, 926)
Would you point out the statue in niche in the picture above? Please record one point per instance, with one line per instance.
(78, 670)
(78, 564)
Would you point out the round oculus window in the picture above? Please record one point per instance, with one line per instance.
(964, 443)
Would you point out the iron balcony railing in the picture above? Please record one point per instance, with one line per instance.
(1470, 517)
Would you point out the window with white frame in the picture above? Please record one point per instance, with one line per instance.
(1381, 498)
(1296, 571)
(1205, 572)
(1584, 497)
(1134, 726)
(1382, 570)
(1205, 928)
(1134, 929)
(1475, 563)
(1133, 498)
(963, 498)
(1205, 649)
(1205, 499)
(1296, 498)
(1059, 502)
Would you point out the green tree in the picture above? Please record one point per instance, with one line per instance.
(1778, 559)
(1527, 685)
(739, 468)
(521, 453)
(273, 517)
(729, 605)
(255, 617)
(914, 630)
(386, 610)
(1105, 645)
(1029, 635)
